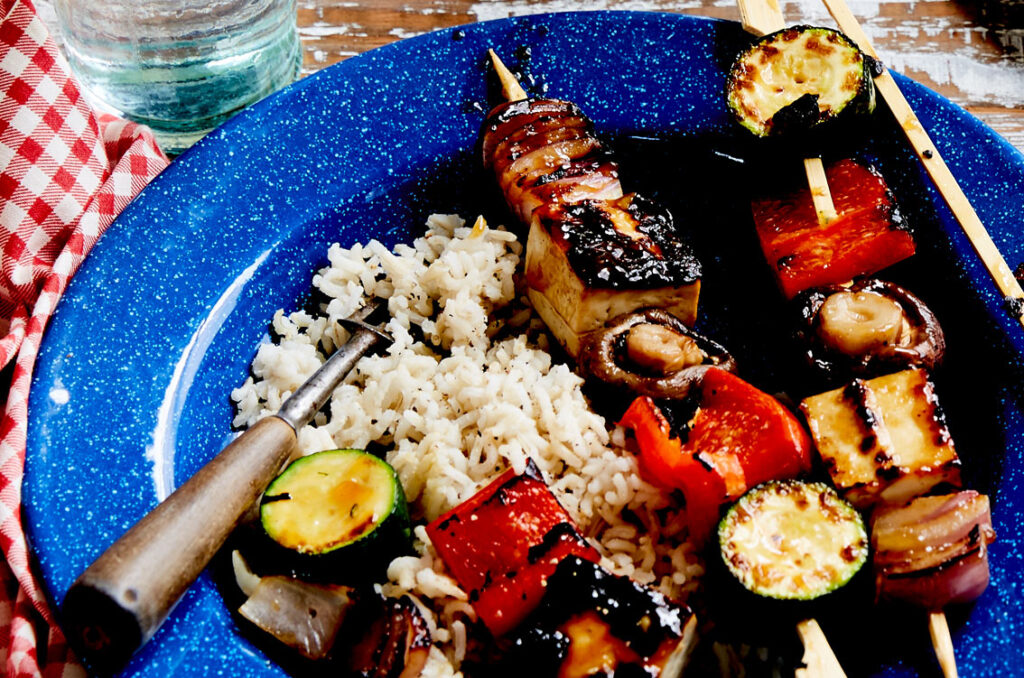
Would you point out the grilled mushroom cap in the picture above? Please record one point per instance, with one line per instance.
(652, 352)
(867, 328)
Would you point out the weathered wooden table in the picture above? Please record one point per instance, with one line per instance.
(970, 51)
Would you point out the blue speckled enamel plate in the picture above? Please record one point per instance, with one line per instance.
(131, 392)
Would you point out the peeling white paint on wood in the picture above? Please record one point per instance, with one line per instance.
(973, 72)
(978, 83)
(323, 30)
(402, 33)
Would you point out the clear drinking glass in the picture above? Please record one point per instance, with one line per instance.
(180, 66)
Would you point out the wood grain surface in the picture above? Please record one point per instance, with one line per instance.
(970, 51)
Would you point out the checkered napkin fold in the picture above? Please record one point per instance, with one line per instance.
(65, 173)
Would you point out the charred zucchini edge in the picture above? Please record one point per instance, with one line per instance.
(800, 113)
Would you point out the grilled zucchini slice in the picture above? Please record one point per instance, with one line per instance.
(792, 540)
(337, 508)
(798, 78)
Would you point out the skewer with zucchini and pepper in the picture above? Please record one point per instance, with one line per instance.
(882, 440)
(930, 550)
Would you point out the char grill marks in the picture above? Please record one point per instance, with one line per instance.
(545, 151)
(626, 243)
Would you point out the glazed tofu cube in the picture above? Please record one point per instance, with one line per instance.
(883, 439)
(590, 261)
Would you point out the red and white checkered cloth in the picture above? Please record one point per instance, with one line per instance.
(65, 173)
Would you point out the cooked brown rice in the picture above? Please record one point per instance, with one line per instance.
(466, 390)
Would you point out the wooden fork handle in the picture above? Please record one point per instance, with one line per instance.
(118, 603)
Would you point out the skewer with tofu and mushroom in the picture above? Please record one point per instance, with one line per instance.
(885, 444)
(592, 253)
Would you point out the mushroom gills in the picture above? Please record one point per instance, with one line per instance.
(651, 352)
(868, 327)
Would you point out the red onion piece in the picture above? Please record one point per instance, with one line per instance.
(303, 616)
(933, 551)
(958, 582)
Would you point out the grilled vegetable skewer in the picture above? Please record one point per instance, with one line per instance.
(961, 207)
(592, 253)
(912, 470)
(885, 443)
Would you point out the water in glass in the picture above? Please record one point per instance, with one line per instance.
(180, 66)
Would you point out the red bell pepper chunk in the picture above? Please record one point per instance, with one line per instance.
(503, 543)
(738, 437)
(866, 237)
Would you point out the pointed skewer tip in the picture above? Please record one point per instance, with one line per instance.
(510, 87)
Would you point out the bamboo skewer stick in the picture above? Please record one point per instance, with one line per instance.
(943, 644)
(819, 660)
(821, 194)
(922, 144)
(972, 225)
(969, 221)
(510, 87)
(762, 17)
